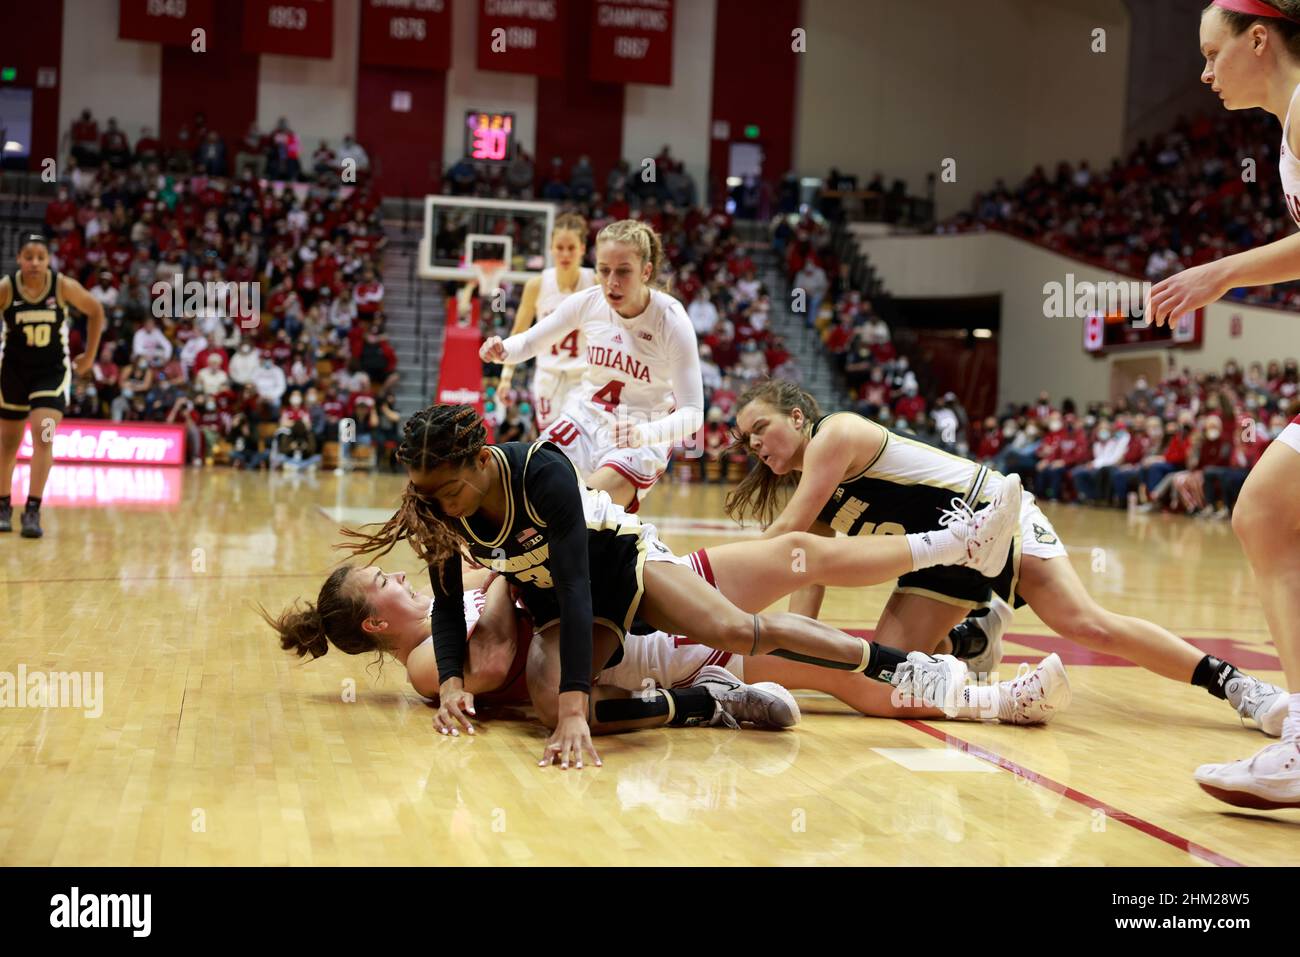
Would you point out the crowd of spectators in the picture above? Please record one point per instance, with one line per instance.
(1185, 444)
(288, 338)
(193, 148)
(1208, 188)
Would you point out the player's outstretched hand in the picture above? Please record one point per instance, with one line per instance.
(455, 706)
(570, 738)
(493, 350)
(83, 363)
(1185, 292)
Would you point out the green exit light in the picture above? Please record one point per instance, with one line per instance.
(751, 132)
(9, 74)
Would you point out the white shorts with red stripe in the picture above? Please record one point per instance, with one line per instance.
(586, 438)
(670, 661)
(1291, 434)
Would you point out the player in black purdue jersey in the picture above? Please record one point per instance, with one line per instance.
(585, 569)
(844, 473)
(36, 369)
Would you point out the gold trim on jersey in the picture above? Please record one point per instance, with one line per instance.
(879, 452)
(18, 285)
(595, 620)
(58, 293)
(940, 596)
(509, 520)
(528, 505)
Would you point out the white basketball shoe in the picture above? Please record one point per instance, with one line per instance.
(1269, 781)
(1261, 702)
(930, 681)
(988, 532)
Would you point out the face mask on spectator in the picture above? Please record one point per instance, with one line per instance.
(266, 363)
(1009, 430)
(245, 348)
(1103, 435)
(295, 400)
(210, 406)
(1055, 425)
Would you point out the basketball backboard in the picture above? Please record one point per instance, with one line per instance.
(459, 230)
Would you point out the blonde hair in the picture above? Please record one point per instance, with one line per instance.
(640, 237)
(574, 223)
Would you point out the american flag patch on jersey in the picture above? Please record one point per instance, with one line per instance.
(525, 535)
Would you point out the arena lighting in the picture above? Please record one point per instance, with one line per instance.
(734, 181)
(13, 146)
(983, 333)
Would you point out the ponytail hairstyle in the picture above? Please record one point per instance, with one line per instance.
(335, 618)
(762, 493)
(642, 238)
(1286, 21)
(574, 223)
(437, 435)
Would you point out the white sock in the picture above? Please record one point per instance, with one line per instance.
(979, 703)
(940, 547)
(1291, 726)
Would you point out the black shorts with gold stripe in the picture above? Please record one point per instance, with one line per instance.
(616, 564)
(24, 387)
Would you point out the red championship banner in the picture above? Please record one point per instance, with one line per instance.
(632, 41)
(522, 36)
(172, 22)
(289, 27)
(409, 33)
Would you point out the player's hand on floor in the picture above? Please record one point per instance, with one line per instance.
(570, 738)
(455, 707)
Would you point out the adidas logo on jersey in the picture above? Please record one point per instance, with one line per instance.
(618, 337)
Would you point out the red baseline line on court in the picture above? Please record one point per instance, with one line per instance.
(1132, 820)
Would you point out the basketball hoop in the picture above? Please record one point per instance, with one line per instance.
(489, 273)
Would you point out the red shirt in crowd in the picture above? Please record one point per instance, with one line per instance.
(909, 407)
(990, 444)
(1176, 453)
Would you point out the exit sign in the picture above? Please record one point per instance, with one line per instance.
(751, 132)
(8, 74)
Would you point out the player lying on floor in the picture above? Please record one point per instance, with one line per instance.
(364, 609)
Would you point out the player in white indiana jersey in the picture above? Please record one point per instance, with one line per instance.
(641, 393)
(560, 367)
(1252, 59)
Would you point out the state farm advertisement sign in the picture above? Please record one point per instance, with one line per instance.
(128, 443)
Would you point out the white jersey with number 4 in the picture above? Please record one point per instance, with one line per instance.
(643, 369)
(569, 355)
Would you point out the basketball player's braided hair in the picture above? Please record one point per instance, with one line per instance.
(335, 618)
(434, 436)
(1287, 22)
(762, 493)
(639, 236)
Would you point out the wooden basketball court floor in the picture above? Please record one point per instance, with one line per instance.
(215, 748)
